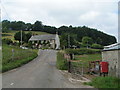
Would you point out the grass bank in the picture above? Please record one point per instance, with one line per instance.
(61, 61)
(105, 82)
(13, 57)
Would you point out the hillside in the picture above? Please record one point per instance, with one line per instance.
(76, 33)
(11, 34)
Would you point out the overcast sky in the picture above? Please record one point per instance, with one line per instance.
(99, 14)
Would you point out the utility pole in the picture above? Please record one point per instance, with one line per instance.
(69, 62)
(68, 41)
(87, 44)
(82, 69)
(21, 37)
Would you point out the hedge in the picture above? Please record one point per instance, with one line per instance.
(82, 51)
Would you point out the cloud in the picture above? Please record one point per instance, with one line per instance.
(89, 16)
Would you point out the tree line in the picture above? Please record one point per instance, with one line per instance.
(75, 34)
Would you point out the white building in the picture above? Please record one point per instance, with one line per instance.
(52, 39)
(111, 54)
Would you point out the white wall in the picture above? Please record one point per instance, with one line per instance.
(113, 58)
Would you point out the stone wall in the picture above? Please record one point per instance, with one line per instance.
(113, 58)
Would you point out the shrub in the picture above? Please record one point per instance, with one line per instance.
(7, 41)
(97, 46)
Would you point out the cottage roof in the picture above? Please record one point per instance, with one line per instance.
(42, 37)
(112, 47)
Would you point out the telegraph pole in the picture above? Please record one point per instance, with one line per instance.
(68, 41)
(21, 37)
(87, 44)
(82, 69)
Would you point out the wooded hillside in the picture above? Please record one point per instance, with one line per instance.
(76, 33)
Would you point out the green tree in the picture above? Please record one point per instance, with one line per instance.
(17, 36)
(97, 46)
(63, 40)
(87, 41)
(19, 25)
(37, 26)
(28, 36)
(29, 26)
(5, 30)
(68, 36)
(5, 26)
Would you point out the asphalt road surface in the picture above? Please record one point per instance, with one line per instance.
(39, 73)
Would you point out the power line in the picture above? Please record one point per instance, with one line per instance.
(2, 6)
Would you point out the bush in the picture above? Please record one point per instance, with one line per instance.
(97, 46)
(30, 44)
(82, 51)
(7, 41)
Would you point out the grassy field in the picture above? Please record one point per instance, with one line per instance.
(81, 59)
(105, 82)
(14, 56)
(88, 57)
(11, 34)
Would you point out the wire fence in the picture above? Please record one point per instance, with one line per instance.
(76, 67)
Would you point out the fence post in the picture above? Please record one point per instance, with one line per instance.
(69, 63)
(12, 54)
(73, 56)
(82, 69)
(69, 66)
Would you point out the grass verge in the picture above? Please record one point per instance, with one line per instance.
(105, 82)
(61, 61)
(14, 57)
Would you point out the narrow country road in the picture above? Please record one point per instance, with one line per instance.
(39, 73)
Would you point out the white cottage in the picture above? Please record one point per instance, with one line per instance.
(52, 39)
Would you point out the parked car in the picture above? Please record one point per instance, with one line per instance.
(23, 47)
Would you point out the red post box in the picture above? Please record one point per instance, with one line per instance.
(104, 67)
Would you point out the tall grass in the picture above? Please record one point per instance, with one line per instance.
(105, 82)
(14, 56)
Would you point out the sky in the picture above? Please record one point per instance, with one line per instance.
(98, 14)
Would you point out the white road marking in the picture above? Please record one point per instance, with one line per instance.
(11, 83)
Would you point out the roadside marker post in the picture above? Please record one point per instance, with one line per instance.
(12, 54)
